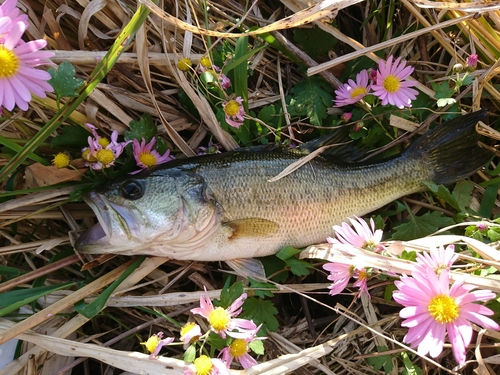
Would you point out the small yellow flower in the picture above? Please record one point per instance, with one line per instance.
(205, 62)
(203, 365)
(219, 319)
(184, 64)
(232, 108)
(238, 348)
(61, 160)
(152, 343)
(105, 156)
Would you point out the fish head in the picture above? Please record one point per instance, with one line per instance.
(142, 215)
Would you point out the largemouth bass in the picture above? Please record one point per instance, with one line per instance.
(224, 207)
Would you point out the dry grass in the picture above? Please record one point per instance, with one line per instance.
(314, 337)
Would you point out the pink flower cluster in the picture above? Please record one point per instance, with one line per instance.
(224, 322)
(362, 236)
(434, 309)
(102, 152)
(389, 83)
(19, 77)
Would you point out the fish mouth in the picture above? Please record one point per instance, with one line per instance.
(114, 226)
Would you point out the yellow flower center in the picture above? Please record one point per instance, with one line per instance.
(184, 64)
(187, 327)
(232, 108)
(369, 245)
(148, 159)
(9, 63)
(219, 319)
(61, 160)
(358, 91)
(87, 155)
(105, 156)
(203, 365)
(238, 348)
(152, 343)
(104, 142)
(362, 275)
(205, 62)
(392, 83)
(443, 309)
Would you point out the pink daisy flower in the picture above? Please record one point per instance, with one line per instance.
(340, 274)
(18, 77)
(102, 152)
(239, 349)
(351, 92)
(234, 112)
(362, 236)
(10, 10)
(223, 321)
(391, 86)
(438, 259)
(204, 365)
(155, 343)
(433, 309)
(190, 333)
(146, 157)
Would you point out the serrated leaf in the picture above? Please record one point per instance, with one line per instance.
(312, 97)
(261, 311)
(228, 296)
(297, 266)
(257, 347)
(260, 288)
(314, 41)
(144, 128)
(71, 137)
(63, 80)
(421, 226)
(381, 361)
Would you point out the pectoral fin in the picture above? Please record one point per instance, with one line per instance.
(248, 268)
(251, 227)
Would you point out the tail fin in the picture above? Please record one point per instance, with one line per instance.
(452, 149)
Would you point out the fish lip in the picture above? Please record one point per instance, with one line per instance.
(102, 234)
(99, 234)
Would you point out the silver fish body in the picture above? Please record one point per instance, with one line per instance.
(224, 207)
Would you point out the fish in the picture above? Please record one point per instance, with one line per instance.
(227, 207)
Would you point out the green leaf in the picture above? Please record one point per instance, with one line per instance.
(71, 137)
(314, 41)
(14, 299)
(190, 354)
(228, 296)
(257, 347)
(489, 200)
(260, 288)
(144, 128)
(410, 368)
(94, 307)
(459, 199)
(381, 361)
(388, 292)
(63, 81)
(8, 273)
(421, 226)
(298, 267)
(261, 311)
(312, 97)
(445, 101)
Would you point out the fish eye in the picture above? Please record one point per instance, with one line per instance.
(132, 190)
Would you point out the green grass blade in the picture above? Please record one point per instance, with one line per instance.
(94, 307)
(16, 148)
(16, 298)
(97, 75)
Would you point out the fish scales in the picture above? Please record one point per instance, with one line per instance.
(224, 207)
